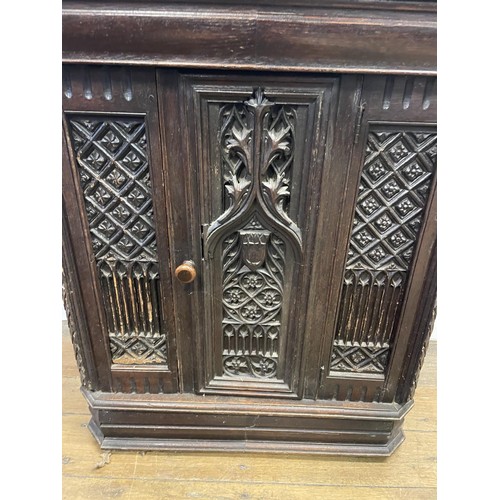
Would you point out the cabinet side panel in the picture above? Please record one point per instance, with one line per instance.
(76, 319)
(420, 336)
(385, 238)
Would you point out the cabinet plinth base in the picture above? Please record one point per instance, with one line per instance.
(214, 423)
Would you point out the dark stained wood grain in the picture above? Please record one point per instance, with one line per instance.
(76, 318)
(404, 5)
(288, 163)
(291, 38)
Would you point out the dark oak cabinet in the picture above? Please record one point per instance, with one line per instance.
(249, 251)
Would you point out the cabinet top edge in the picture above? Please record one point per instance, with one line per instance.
(308, 38)
(395, 5)
(69, 59)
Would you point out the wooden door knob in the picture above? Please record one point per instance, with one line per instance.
(186, 272)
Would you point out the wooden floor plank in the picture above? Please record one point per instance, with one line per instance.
(423, 415)
(141, 489)
(73, 400)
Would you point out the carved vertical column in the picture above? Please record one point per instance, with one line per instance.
(75, 336)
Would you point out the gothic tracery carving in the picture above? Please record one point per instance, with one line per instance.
(257, 151)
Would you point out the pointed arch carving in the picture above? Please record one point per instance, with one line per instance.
(257, 145)
(257, 150)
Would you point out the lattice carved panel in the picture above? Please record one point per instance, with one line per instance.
(113, 168)
(393, 192)
(114, 175)
(392, 196)
(252, 301)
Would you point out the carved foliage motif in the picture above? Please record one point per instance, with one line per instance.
(257, 152)
(113, 166)
(236, 137)
(278, 158)
(393, 194)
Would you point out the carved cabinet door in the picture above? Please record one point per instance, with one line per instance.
(248, 167)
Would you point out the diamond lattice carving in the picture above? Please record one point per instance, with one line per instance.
(393, 192)
(114, 174)
(359, 358)
(137, 349)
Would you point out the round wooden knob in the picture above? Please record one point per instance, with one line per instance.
(186, 272)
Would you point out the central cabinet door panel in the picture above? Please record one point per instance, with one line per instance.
(255, 146)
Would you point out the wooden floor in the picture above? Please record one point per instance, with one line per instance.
(89, 474)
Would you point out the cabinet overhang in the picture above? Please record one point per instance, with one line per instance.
(281, 38)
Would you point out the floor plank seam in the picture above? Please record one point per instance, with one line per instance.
(248, 483)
